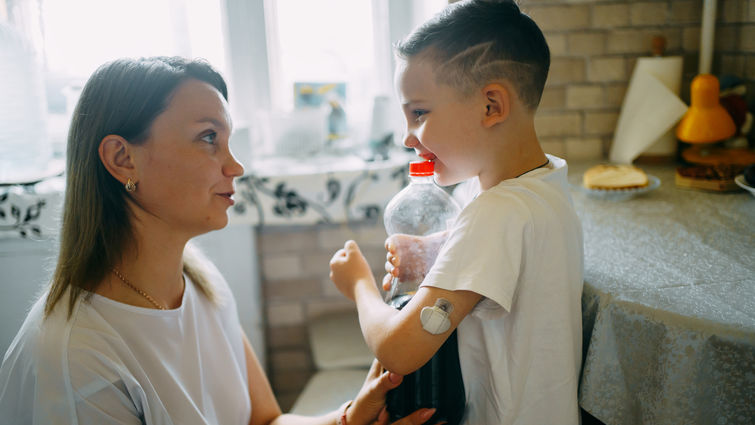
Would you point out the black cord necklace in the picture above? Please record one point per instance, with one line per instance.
(539, 166)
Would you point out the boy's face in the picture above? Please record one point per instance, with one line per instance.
(441, 124)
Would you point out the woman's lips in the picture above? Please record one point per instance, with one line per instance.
(428, 156)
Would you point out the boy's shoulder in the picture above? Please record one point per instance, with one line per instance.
(542, 195)
(537, 182)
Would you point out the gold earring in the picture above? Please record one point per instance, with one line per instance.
(130, 185)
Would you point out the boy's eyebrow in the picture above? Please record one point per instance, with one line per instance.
(406, 106)
(411, 102)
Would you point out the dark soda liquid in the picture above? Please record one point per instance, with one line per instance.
(437, 384)
(398, 302)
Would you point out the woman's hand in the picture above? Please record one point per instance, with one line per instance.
(369, 405)
(347, 267)
(409, 258)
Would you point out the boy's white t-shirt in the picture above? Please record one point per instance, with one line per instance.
(519, 245)
(114, 363)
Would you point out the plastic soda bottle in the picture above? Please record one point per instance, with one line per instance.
(423, 208)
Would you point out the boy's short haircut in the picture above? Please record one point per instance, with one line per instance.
(475, 42)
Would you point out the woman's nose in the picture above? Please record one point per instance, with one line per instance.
(233, 167)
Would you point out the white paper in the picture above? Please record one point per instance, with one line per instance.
(651, 108)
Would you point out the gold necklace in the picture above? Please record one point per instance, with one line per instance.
(139, 291)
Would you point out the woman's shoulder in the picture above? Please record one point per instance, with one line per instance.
(38, 361)
(19, 371)
(56, 359)
(28, 341)
(59, 340)
(41, 333)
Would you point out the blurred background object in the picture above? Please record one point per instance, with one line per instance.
(25, 151)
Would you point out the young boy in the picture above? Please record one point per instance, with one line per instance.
(469, 82)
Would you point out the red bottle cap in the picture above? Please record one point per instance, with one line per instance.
(421, 168)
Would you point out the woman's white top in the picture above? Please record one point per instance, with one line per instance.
(113, 363)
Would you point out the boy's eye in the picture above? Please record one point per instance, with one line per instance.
(419, 113)
(210, 137)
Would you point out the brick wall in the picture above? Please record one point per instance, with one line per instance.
(296, 288)
(594, 46)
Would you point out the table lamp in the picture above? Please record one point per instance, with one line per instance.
(706, 121)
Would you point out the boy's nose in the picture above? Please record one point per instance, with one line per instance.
(410, 140)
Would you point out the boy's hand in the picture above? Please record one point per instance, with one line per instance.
(410, 258)
(347, 267)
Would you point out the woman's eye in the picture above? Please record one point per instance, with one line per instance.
(210, 137)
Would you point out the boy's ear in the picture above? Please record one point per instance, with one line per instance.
(497, 104)
(116, 155)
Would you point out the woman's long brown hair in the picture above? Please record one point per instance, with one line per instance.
(122, 97)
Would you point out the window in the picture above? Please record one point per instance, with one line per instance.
(325, 41)
(81, 35)
(262, 47)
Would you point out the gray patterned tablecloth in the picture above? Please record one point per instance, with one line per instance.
(668, 305)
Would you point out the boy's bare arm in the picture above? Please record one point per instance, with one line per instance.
(398, 338)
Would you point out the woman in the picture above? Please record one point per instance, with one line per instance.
(136, 327)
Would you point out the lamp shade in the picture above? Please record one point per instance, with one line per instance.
(706, 121)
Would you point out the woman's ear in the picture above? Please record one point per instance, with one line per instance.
(497, 104)
(116, 155)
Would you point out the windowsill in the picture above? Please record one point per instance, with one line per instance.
(324, 163)
(320, 189)
(284, 191)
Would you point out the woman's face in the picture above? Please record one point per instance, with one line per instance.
(185, 168)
